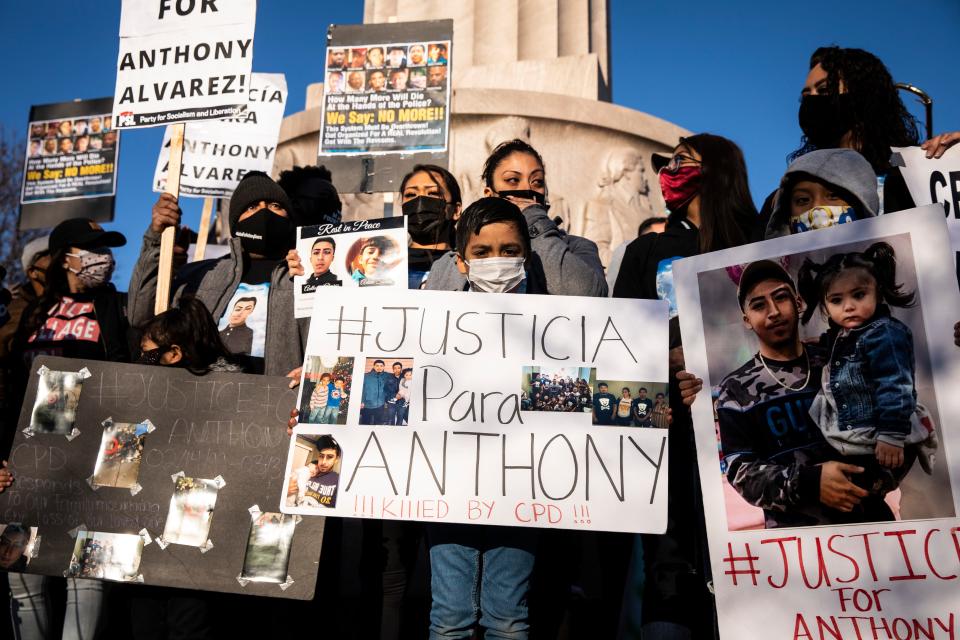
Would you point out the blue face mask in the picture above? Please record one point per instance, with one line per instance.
(821, 218)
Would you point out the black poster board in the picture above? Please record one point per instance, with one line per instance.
(221, 425)
(383, 171)
(70, 164)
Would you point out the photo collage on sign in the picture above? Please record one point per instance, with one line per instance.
(66, 136)
(268, 547)
(380, 68)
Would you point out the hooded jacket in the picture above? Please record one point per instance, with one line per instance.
(214, 282)
(842, 168)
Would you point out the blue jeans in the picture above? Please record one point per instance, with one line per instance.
(316, 415)
(329, 415)
(480, 576)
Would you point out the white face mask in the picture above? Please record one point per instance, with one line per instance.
(821, 218)
(495, 275)
(96, 267)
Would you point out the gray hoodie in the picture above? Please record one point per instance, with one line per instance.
(843, 168)
(561, 265)
(214, 282)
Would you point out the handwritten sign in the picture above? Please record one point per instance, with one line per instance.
(788, 561)
(141, 426)
(478, 408)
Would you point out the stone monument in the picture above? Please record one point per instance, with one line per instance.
(538, 70)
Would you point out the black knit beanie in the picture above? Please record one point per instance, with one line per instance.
(254, 187)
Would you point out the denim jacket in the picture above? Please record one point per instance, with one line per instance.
(872, 377)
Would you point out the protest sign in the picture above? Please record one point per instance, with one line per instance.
(165, 471)
(481, 409)
(183, 61)
(831, 509)
(360, 253)
(218, 153)
(70, 165)
(933, 180)
(386, 99)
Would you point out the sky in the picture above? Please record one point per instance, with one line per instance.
(733, 68)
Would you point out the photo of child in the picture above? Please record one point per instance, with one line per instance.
(315, 472)
(325, 390)
(371, 261)
(386, 391)
(58, 395)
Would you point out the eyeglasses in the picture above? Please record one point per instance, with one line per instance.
(677, 161)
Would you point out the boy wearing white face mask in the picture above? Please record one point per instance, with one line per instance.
(821, 189)
(493, 246)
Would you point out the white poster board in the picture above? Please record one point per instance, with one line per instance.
(183, 61)
(218, 153)
(357, 253)
(846, 575)
(469, 447)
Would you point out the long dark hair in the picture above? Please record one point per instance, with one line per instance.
(55, 287)
(503, 150)
(879, 260)
(727, 212)
(191, 327)
(881, 119)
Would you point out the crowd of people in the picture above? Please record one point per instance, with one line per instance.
(556, 393)
(504, 242)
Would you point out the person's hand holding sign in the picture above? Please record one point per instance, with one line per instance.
(294, 265)
(165, 213)
(937, 145)
(836, 490)
(6, 477)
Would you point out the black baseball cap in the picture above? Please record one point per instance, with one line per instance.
(757, 272)
(83, 233)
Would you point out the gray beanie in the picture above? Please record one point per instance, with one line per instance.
(254, 187)
(843, 168)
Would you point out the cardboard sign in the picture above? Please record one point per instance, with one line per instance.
(164, 478)
(218, 153)
(360, 253)
(802, 546)
(183, 61)
(481, 409)
(70, 167)
(386, 102)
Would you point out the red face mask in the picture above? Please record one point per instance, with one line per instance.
(680, 187)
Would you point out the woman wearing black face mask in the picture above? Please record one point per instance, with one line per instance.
(849, 100)
(431, 200)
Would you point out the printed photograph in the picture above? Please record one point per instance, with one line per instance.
(437, 53)
(398, 79)
(628, 403)
(55, 408)
(357, 58)
(315, 474)
(376, 80)
(437, 77)
(268, 548)
(356, 82)
(336, 59)
(418, 79)
(371, 261)
(417, 56)
(191, 512)
(243, 327)
(822, 361)
(561, 389)
(375, 58)
(334, 82)
(396, 56)
(16, 546)
(385, 399)
(106, 556)
(121, 449)
(323, 251)
(325, 390)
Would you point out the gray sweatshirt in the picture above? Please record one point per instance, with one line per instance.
(214, 282)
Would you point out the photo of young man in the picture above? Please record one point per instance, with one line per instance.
(373, 400)
(603, 405)
(334, 82)
(418, 56)
(237, 336)
(336, 59)
(322, 254)
(642, 409)
(396, 56)
(437, 77)
(375, 58)
(376, 80)
(398, 79)
(320, 489)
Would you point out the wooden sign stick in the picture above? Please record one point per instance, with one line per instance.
(169, 236)
(204, 229)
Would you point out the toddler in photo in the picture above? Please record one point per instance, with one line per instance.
(867, 405)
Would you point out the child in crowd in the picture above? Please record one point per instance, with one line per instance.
(481, 574)
(867, 405)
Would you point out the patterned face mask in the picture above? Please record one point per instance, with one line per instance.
(821, 218)
(96, 266)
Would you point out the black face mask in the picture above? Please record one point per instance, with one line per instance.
(150, 357)
(265, 233)
(527, 194)
(427, 221)
(826, 118)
